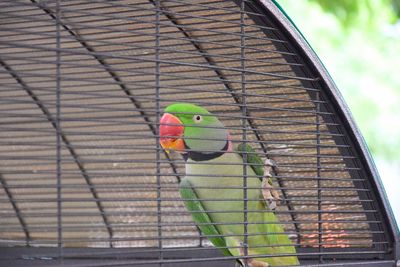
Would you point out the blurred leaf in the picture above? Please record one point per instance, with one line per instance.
(396, 8)
(345, 10)
(349, 11)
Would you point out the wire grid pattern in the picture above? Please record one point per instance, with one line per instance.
(82, 88)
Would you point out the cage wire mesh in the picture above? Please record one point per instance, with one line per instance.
(84, 180)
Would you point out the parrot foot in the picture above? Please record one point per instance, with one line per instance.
(269, 193)
(251, 262)
(268, 164)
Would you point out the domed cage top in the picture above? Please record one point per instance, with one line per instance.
(84, 180)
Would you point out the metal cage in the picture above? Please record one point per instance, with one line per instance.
(84, 181)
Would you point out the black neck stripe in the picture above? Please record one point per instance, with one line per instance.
(201, 156)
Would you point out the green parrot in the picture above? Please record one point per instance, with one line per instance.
(213, 187)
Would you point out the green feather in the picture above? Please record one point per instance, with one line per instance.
(201, 217)
(253, 159)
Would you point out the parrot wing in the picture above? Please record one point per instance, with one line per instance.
(253, 159)
(262, 171)
(200, 216)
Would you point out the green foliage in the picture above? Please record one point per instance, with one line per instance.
(344, 10)
(347, 11)
(351, 38)
(396, 7)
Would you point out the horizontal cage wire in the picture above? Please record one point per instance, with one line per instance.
(90, 170)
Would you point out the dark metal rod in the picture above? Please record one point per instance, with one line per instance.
(129, 188)
(120, 253)
(154, 213)
(282, 146)
(297, 202)
(46, 32)
(160, 11)
(101, 42)
(158, 146)
(44, 145)
(265, 82)
(244, 135)
(222, 258)
(227, 116)
(149, 149)
(361, 259)
(88, 83)
(57, 124)
(125, 133)
(233, 10)
(114, 113)
(73, 175)
(94, 96)
(304, 222)
(144, 59)
(306, 169)
(208, 6)
(319, 192)
(154, 237)
(275, 98)
(70, 174)
(187, 53)
(232, 22)
(102, 173)
(174, 75)
(83, 13)
(141, 188)
(350, 233)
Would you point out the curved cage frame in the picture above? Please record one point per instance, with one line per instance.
(283, 38)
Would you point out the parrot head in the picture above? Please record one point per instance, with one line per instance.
(188, 128)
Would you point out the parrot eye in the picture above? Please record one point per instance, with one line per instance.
(197, 118)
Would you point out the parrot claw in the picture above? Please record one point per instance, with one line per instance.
(269, 193)
(268, 164)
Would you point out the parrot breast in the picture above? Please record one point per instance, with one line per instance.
(218, 184)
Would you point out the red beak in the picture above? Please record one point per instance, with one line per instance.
(171, 132)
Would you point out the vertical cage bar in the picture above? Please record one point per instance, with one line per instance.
(244, 133)
(58, 132)
(319, 192)
(209, 60)
(158, 147)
